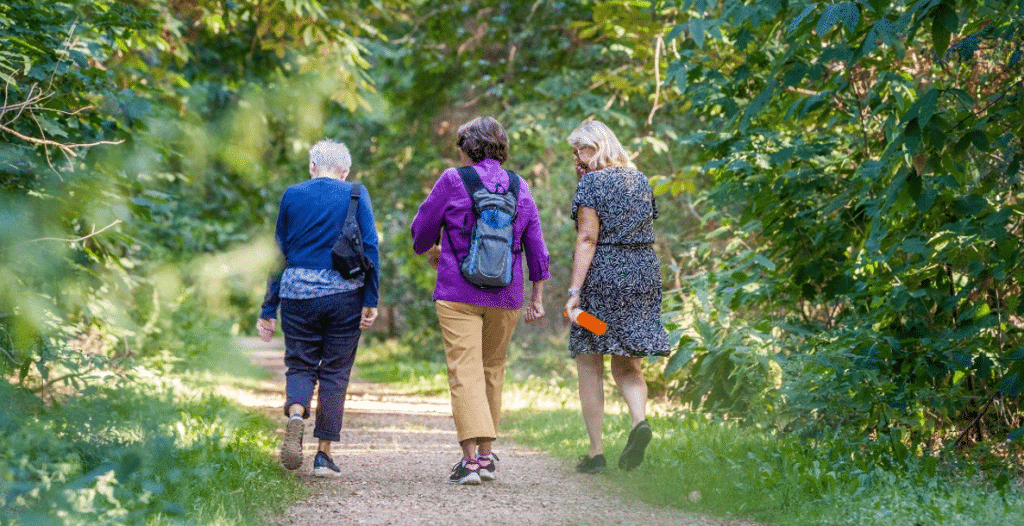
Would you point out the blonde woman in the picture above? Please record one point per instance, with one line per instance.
(615, 277)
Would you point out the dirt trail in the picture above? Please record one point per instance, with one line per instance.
(395, 453)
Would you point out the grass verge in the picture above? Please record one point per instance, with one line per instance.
(143, 447)
(725, 468)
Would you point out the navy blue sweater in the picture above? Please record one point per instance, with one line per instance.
(309, 222)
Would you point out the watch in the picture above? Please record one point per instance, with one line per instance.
(574, 292)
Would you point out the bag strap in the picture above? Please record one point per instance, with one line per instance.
(471, 179)
(353, 203)
(513, 185)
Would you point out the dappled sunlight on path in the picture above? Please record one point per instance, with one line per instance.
(395, 452)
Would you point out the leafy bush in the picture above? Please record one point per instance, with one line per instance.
(143, 449)
(723, 363)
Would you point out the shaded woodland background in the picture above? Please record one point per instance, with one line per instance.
(839, 186)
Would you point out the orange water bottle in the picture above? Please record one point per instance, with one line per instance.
(588, 321)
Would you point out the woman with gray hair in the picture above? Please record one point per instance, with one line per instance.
(322, 313)
(616, 278)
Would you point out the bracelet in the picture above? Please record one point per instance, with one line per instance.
(574, 292)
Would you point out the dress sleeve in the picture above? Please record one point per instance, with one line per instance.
(587, 193)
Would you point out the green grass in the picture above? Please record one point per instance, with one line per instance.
(718, 467)
(154, 449)
(387, 362)
(726, 469)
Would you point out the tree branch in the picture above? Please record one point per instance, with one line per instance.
(657, 78)
(66, 148)
(83, 238)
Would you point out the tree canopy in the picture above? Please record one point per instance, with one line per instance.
(840, 184)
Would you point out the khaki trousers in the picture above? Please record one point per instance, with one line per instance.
(476, 349)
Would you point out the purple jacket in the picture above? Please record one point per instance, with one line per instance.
(449, 205)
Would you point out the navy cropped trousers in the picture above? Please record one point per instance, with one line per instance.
(320, 338)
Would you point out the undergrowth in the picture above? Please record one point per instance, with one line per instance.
(146, 447)
(724, 467)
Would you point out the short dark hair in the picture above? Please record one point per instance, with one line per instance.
(483, 138)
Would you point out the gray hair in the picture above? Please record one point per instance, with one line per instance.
(330, 155)
(608, 151)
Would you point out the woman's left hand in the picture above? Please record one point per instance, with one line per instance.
(369, 316)
(266, 328)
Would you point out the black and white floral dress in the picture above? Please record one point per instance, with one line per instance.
(623, 284)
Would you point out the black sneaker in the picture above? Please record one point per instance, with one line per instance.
(323, 466)
(633, 453)
(465, 473)
(488, 465)
(291, 449)
(591, 465)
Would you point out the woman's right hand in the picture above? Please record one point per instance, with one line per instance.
(581, 168)
(434, 255)
(266, 327)
(572, 304)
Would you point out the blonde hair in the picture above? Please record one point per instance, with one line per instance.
(608, 151)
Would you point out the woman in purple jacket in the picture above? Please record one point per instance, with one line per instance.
(477, 323)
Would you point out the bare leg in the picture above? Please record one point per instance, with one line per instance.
(469, 448)
(590, 369)
(297, 409)
(484, 447)
(629, 376)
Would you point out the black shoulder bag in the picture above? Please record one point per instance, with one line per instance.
(347, 255)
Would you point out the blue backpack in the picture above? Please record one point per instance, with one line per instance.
(488, 265)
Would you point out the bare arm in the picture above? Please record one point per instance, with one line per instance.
(535, 310)
(587, 227)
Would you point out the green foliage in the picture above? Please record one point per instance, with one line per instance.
(722, 364)
(864, 164)
(135, 137)
(731, 469)
(140, 448)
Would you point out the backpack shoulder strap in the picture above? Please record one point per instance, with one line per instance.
(470, 179)
(513, 184)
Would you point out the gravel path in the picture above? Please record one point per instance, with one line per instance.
(395, 453)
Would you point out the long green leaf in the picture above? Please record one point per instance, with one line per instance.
(801, 17)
